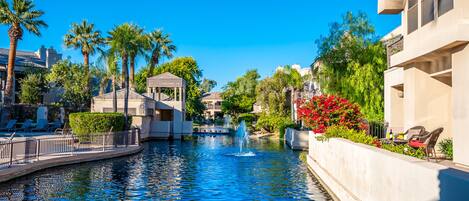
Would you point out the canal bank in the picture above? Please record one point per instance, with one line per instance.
(45, 162)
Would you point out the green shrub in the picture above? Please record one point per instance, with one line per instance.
(446, 147)
(86, 123)
(273, 123)
(363, 138)
(282, 127)
(247, 117)
(352, 135)
(404, 149)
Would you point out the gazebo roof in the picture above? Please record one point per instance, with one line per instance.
(165, 80)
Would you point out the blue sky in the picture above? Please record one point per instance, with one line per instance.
(226, 37)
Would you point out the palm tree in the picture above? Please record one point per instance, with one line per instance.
(120, 41)
(110, 59)
(21, 15)
(139, 43)
(83, 36)
(161, 46)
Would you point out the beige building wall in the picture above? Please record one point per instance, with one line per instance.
(427, 102)
(393, 99)
(461, 106)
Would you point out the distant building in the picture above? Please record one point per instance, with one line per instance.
(212, 102)
(26, 61)
(160, 113)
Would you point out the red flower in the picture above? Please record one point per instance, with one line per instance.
(323, 111)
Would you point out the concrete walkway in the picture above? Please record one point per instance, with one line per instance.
(49, 161)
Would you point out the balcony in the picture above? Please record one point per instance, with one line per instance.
(432, 31)
(390, 6)
(394, 46)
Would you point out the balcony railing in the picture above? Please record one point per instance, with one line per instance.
(393, 46)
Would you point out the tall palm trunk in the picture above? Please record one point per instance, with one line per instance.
(86, 58)
(124, 74)
(126, 86)
(153, 62)
(9, 88)
(114, 94)
(132, 69)
(86, 62)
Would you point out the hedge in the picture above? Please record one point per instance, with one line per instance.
(85, 123)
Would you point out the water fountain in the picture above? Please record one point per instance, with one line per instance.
(242, 135)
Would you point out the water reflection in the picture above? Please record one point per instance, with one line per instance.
(202, 169)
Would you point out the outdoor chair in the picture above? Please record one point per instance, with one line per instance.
(41, 126)
(417, 133)
(63, 131)
(10, 125)
(429, 144)
(55, 125)
(26, 125)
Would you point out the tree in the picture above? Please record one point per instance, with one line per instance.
(110, 59)
(71, 78)
(138, 44)
(207, 85)
(239, 96)
(33, 87)
(22, 15)
(185, 68)
(353, 62)
(273, 92)
(161, 46)
(120, 41)
(83, 36)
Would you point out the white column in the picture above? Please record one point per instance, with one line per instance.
(461, 106)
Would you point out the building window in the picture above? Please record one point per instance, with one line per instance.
(428, 11)
(412, 16)
(444, 6)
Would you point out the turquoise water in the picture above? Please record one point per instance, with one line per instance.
(206, 168)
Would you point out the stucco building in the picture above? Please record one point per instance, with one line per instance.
(427, 80)
(25, 62)
(212, 102)
(160, 113)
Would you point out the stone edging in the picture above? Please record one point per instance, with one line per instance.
(15, 172)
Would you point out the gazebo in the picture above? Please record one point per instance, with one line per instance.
(160, 113)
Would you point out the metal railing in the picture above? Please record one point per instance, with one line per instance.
(377, 129)
(30, 150)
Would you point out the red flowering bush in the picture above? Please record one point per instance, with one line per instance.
(324, 111)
